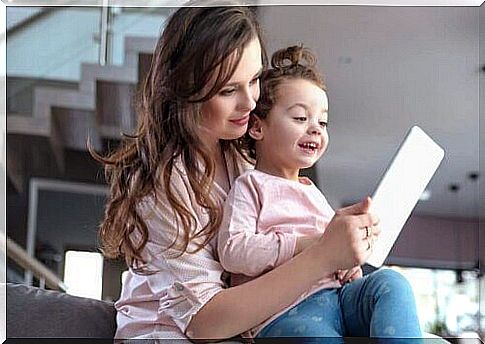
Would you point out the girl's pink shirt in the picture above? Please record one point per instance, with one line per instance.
(263, 217)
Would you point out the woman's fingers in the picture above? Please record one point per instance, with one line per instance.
(356, 209)
(365, 220)
(346, 236)
(366, 237)
(370, 237)
(369, 232)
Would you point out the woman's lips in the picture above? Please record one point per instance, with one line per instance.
(240, 121)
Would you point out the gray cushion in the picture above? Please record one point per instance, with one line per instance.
(34, 312)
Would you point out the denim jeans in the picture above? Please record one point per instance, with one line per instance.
(379, 305)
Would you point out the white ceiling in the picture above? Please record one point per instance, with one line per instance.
(387, 69)
(177, 3)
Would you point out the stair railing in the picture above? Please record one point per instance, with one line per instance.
(21, 257)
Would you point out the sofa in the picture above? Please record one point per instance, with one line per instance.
(38, 313)
(45, 315)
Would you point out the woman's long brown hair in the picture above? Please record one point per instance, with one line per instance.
(194, 58)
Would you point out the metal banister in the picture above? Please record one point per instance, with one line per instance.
(22, 258)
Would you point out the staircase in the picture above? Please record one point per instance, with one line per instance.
(63, 117)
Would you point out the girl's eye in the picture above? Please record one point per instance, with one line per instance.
(254, 81)
(227, 92)
(300, 118)
(323, 124)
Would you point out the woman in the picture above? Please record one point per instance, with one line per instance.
(169, 180)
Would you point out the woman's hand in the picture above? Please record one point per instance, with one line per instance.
(350, 235)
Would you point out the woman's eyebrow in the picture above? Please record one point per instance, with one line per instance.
(235, 83)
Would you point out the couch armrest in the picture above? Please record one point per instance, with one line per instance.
(36, 313)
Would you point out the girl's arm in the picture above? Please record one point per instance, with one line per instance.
(244, 247)
(235, 310)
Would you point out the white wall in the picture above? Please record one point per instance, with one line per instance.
(388, 68)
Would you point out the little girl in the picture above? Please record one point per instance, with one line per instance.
(273, 214)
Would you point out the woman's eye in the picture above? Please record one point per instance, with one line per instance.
(300, 118)
(323, 124)
(227, 92)
(254, 81)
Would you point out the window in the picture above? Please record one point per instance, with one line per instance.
(83, 274)
(447, 301)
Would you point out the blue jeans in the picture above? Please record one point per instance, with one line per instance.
(379, 305)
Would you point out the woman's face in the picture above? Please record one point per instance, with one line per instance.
(226, 115)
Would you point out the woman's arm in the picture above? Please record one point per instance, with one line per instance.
(305, 241)
(235, 310)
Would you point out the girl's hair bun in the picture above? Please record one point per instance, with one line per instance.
(292, 57)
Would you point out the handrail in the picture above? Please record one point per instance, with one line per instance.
(22, 258)
(30, 19)
(105, 44)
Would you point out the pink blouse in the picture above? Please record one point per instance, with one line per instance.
(162, 304)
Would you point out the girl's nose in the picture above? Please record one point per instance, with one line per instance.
(315, 129)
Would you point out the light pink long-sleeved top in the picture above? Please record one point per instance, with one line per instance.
(263, 216)
(161, 305)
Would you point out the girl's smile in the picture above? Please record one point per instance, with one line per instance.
(294, 134)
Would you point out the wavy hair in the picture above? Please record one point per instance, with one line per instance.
(195, 56)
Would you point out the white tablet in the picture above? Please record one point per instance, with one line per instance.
(399, 190)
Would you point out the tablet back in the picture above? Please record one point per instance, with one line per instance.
(399, 190)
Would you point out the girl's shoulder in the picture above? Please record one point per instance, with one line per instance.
(237, 163)
(252, 175)
(256, 179)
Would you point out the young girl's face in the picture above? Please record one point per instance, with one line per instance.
(226, 115)
(294, 134)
